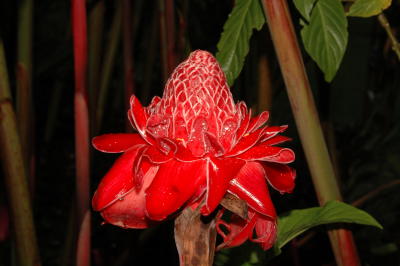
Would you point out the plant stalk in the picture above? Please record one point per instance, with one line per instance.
(307, 121)
(95, 38)
(128, 56)
(82, 160)
(24, 85)
(108, 63)
(194, 239)
(385, 24)
(15, 175)
(167, 37)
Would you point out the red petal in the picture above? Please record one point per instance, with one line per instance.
(246, 143)
(214, 144)
(271, 132)
(281, 177)
(219, 174)
(245, 121)
(117, 182)
(264, 152)
(114, 143)
(196, 142)
(276, 140)
(250, 186)
(138, 115)
(265, 230)
(183, 153)
(175, 183)
(129, 211)
(156, 156)
(228, 132)
(140, 167)
(258, 121)
(239, 231)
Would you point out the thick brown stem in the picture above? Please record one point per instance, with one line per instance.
(195, 239)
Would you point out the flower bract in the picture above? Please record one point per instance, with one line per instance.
(192, 147)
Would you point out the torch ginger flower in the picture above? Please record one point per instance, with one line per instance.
(194, 145)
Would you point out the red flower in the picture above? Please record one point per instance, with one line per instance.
(193, 146)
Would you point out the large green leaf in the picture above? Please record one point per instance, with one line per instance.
(233, 46)
(298, 221)
(304, 7)
(325, 36)
(368, 8)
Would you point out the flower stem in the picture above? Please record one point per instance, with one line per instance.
(306, 116)
(15, 175)
(194, 239)
(82, 160)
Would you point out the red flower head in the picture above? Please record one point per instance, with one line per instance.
(193, 146)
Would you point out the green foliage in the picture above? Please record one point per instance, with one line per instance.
(298, 221)
(325, 35)
(248, 254)
(233, 46)
(368, 8)
(291, 225)
(304, 7)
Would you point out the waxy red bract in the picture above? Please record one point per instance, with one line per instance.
(193, 146)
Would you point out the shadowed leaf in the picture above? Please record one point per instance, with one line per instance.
(234, 43)
(325, 37)
(368, 8)
(298, 221)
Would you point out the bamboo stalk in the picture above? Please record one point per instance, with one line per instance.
(24, 84)
(95, 38)
(167, 37)
(82, 160)
(305, 113)
(108, 63)
(150, 58)
(15, 175)
(264, 85)
(128, 56)
(170, 34)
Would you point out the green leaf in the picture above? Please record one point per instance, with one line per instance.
(325, 37)
(247, 254)
(368, 8)
(304, 7)
(233, 46)
(298, 221)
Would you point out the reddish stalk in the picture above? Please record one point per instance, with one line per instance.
(264, 85)
(150, 58)
(128, 55)
(15, 175)
(167, 36)
(81, 129)
(306, 116)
